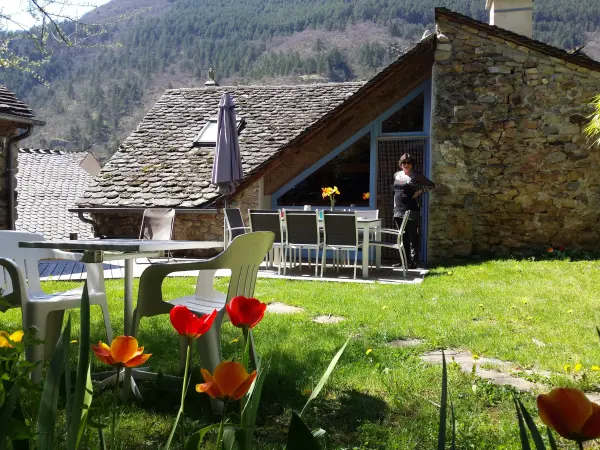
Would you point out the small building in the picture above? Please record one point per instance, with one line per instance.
(494, 117)
(48, 183)
(17, 121)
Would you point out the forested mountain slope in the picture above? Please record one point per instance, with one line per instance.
(99, 93)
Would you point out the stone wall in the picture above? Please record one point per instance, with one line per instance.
(7, 130)
(194, 227)
(513, 169)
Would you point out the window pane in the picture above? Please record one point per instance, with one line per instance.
(209, 134)
(349, 171)
(406, 119)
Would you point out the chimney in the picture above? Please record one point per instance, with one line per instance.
(513, 15)
(211, 74)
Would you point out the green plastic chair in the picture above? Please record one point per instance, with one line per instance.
(243, 257)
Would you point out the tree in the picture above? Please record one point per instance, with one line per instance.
(593, 128)
(52, 29)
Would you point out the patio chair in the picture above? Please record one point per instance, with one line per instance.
(398, 244)
(243, 258)
(269, 220)
(341, 233)
(20, 282)
(234, 224)
(157, 225)
(302, 231)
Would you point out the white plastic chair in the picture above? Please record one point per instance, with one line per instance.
(399, 244)
(20, 280)
(243, 258)
(157, 225)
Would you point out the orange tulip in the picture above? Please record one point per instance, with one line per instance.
(229, 382)
(550, 249)
(123, 352)
(366, 196)
(569, 412)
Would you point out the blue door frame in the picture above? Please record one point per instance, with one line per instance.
(375, 128)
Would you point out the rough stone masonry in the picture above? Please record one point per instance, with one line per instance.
(514, 170)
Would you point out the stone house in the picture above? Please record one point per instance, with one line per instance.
(494, 117)
(17, 121)
(49, 182)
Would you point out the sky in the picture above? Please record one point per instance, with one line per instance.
(17, 9)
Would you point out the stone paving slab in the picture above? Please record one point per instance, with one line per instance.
(282, 308)
(502, 377)
(328, 319)
(409, 342)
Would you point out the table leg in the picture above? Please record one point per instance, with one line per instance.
(365, 252)
(128, 382)
(128, 299)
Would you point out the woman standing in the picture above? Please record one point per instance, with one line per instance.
(406, 193)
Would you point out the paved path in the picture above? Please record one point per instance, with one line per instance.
(75, 271)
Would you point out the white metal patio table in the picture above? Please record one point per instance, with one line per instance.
(102, 250)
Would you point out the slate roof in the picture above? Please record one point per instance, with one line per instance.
(48, 183)
(580, 59)
(158, 165)
(11, 105)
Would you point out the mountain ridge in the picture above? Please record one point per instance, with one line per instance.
(98, 95)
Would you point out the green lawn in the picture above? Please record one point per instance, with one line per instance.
(540, 315)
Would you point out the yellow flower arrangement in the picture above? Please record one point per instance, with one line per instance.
(330, 192)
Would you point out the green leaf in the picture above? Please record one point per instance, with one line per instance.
(250, 409)
(533, 429)
(101, 438)
(46, 421)
(7, 410)
(300, 436)
(551, 439)
(522, 430)
(325, 376)
(443, 406)
(232, 436)
(81, 395)
(19, 431)
(195, 440)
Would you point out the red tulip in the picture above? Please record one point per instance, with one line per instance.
(561, 248)
(189, 324)
(245, 312)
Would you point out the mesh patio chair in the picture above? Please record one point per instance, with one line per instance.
(302, 231)
(243, 258)
(269, 220)
(234, 225)
(21, 288)
(398, 244)
(157, 225)
(341, 233)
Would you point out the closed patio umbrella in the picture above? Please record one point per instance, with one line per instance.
(227, 165)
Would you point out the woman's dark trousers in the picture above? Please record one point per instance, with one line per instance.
(411, 237)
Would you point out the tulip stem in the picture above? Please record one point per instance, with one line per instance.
(245, 350)
(188, 357)
(221, 426)
(114, 412)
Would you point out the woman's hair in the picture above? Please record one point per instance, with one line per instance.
(406, 158)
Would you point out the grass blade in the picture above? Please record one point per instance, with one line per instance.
(49, 400)
(453, 445)
(81, 394)
(325, 376)
(533, 429)
(551, 439)
(7, 410)
(443, 406)
(522, 430)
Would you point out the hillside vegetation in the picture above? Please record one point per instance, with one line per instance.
(98, 94)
